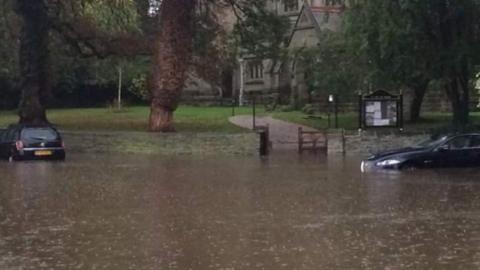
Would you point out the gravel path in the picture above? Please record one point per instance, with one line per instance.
(283, 135)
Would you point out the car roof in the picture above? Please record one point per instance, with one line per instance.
(29, 126)
(452, 135)
(465, 134)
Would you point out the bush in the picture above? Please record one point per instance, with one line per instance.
(286, 108)
(138, 88)
(308, 109)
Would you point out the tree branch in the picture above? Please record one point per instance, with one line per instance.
(89, 41)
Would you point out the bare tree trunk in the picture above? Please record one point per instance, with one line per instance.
(458, 93)
(171, 61)
(33, 57)
(419, 91)
(162, 118)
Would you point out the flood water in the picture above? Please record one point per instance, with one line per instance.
(284, 212)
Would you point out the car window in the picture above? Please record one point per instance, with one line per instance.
(475, 141)
(430, 142)
(459, 143)
(39, 134)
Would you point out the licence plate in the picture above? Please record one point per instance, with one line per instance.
(43, 153)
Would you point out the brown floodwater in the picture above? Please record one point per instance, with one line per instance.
(284, 212)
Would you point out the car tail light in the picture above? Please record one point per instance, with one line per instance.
(19, 145)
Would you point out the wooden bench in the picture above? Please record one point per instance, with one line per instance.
(312, 140)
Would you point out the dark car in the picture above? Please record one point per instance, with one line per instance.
(460, 150)
(22, 142)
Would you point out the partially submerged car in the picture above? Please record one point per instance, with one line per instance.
(459, 150)
(31, 142)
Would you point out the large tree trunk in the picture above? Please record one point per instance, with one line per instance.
(458, 93)
(33, 56)
(453, 26)
(419, 91)
(171, 61)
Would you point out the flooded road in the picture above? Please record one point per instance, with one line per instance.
(285, 212)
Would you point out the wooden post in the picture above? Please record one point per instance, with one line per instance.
(119, 101)
(360, 112)
(335, 108)
(263, 132)
(400, 113)
(253, 111)
(300, 140)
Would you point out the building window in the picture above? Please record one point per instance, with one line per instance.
(322, 3)
(255, 70)
(334, 2)
(290, 5)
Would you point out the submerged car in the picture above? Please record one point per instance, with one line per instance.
(459, 150)
(30, 142)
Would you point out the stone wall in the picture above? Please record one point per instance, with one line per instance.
(367, 142)
(131, 143)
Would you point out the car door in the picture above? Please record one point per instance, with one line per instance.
(475, 149)
(455, 152)
(3, 135)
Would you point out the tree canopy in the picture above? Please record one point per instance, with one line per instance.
(104, 29)
(410, 43)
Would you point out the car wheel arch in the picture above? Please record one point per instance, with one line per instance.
(408, 165)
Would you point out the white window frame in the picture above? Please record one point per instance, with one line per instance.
(254, 70)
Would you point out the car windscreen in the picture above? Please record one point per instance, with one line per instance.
(39, 134)
(430, 142)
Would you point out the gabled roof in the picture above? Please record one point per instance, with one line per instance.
(317, 16)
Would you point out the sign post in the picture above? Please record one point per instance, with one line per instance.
(330, 101)
(335, 108)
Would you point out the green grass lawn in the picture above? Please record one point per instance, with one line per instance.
(202, 119)
(187, 119)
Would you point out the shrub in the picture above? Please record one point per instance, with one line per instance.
(308, 109)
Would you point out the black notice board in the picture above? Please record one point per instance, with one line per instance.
(381, 110)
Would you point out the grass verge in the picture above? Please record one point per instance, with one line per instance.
(206, 119)
(187, 119)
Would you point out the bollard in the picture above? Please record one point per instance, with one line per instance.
(264, 140)
(233, 106)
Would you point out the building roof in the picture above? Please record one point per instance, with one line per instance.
(319, 17)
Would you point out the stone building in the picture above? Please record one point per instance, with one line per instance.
(276, 79)
(266, 76)
(286, 80)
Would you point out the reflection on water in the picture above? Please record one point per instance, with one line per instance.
(284, 212)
